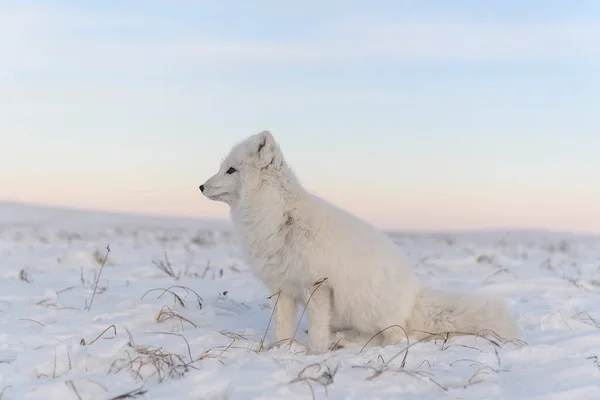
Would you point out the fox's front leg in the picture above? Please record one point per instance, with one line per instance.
(319, 319)
(285, 315)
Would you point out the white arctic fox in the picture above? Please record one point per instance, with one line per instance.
(292, 239)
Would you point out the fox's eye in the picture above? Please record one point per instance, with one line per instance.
(231, 170)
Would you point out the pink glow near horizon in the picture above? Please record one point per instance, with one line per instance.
(386, 211)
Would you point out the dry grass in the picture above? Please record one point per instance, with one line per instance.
(96, 383)
(482, 368)
(130, 395)
(586, 318)
(24, 276)
(485, 334)
(414, 373)
(386, 366)
(149, 362)
(380, 332)
(84, 343)
(162, 363)
(233, 335)
(206, 270)
(50, 304)
(322, 375)
(178, 298)
(499, 270)
(214, 271)
(72, 386)
(485, 259)
(291, 340)
(317, 285)
(166, 313)
(31, 320)
(167, 364)
(166, 267)
(262, 341)
(146, 362)
(3, 390)
(59, 292)
(98, 277)
(184, 339)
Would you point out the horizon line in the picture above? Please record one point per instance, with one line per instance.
(192, 218)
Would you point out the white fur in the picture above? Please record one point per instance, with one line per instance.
(292, 239)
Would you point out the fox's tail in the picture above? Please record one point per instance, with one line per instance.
(438, 311)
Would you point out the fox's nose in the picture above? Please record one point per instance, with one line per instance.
(202, 188)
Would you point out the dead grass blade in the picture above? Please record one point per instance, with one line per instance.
(72, 385)
(233, 335)
(324, 378)
(177, 298)
(24, 276)
(481, 370)
(317, 285)
(165, 364)
(31, 320)
(262, 341)
(181, 336)
(379, 333)
(96, 383)
(403, 364)
(290, 341)
(83, 342)
(54, 369)
(485, 334)
(187, 291)
(166, 313)
(166, 267)
(65, 290)
(98, 277)
(130, 395)
(3, 390)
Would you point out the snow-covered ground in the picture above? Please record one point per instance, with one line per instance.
(194, 332)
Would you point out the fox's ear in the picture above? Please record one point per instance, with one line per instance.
(267, 150)
(264, 138)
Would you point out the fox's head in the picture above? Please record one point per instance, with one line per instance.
(246, 166)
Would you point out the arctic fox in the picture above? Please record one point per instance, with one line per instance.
(293, 239)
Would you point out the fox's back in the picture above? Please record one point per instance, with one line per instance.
(353, 249)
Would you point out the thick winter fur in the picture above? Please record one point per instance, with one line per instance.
(292, 239)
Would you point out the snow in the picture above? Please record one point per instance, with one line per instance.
(52, 343)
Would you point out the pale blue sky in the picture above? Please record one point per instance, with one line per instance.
(435, 115)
